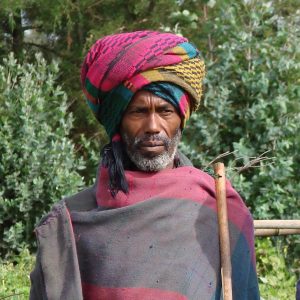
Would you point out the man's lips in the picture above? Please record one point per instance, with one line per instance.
(152, 148)
(151, 144)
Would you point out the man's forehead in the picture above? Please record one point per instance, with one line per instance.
(144, 98)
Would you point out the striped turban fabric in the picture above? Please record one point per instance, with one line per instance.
(117, 66)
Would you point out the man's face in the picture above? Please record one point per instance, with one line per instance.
(150, 130)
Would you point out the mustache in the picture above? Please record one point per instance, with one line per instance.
(138, 141)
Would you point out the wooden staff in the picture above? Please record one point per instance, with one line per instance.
(220, 181)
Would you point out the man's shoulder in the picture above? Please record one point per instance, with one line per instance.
(82, 201)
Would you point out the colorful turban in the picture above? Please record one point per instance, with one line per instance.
(117, 66)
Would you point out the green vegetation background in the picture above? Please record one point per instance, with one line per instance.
(50, 141)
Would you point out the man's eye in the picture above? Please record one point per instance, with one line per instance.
(167, 111)
(137, 111)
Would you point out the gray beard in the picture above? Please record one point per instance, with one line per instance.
(156, 163)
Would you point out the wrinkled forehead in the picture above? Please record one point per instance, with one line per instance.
(147, 99)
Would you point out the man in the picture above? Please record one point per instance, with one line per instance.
(148, 227)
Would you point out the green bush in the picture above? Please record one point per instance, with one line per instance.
(14, 276)
(276, 280)
(251, 103)
(37, 162)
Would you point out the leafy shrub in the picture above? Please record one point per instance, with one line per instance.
(276, 280)
(14, 276)
(251, 103)
(37, 163)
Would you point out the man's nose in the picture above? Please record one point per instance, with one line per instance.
(152, 124)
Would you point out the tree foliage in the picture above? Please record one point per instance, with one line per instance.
(251, 104)
(38, 164)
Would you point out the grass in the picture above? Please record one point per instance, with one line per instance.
(14, 277)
